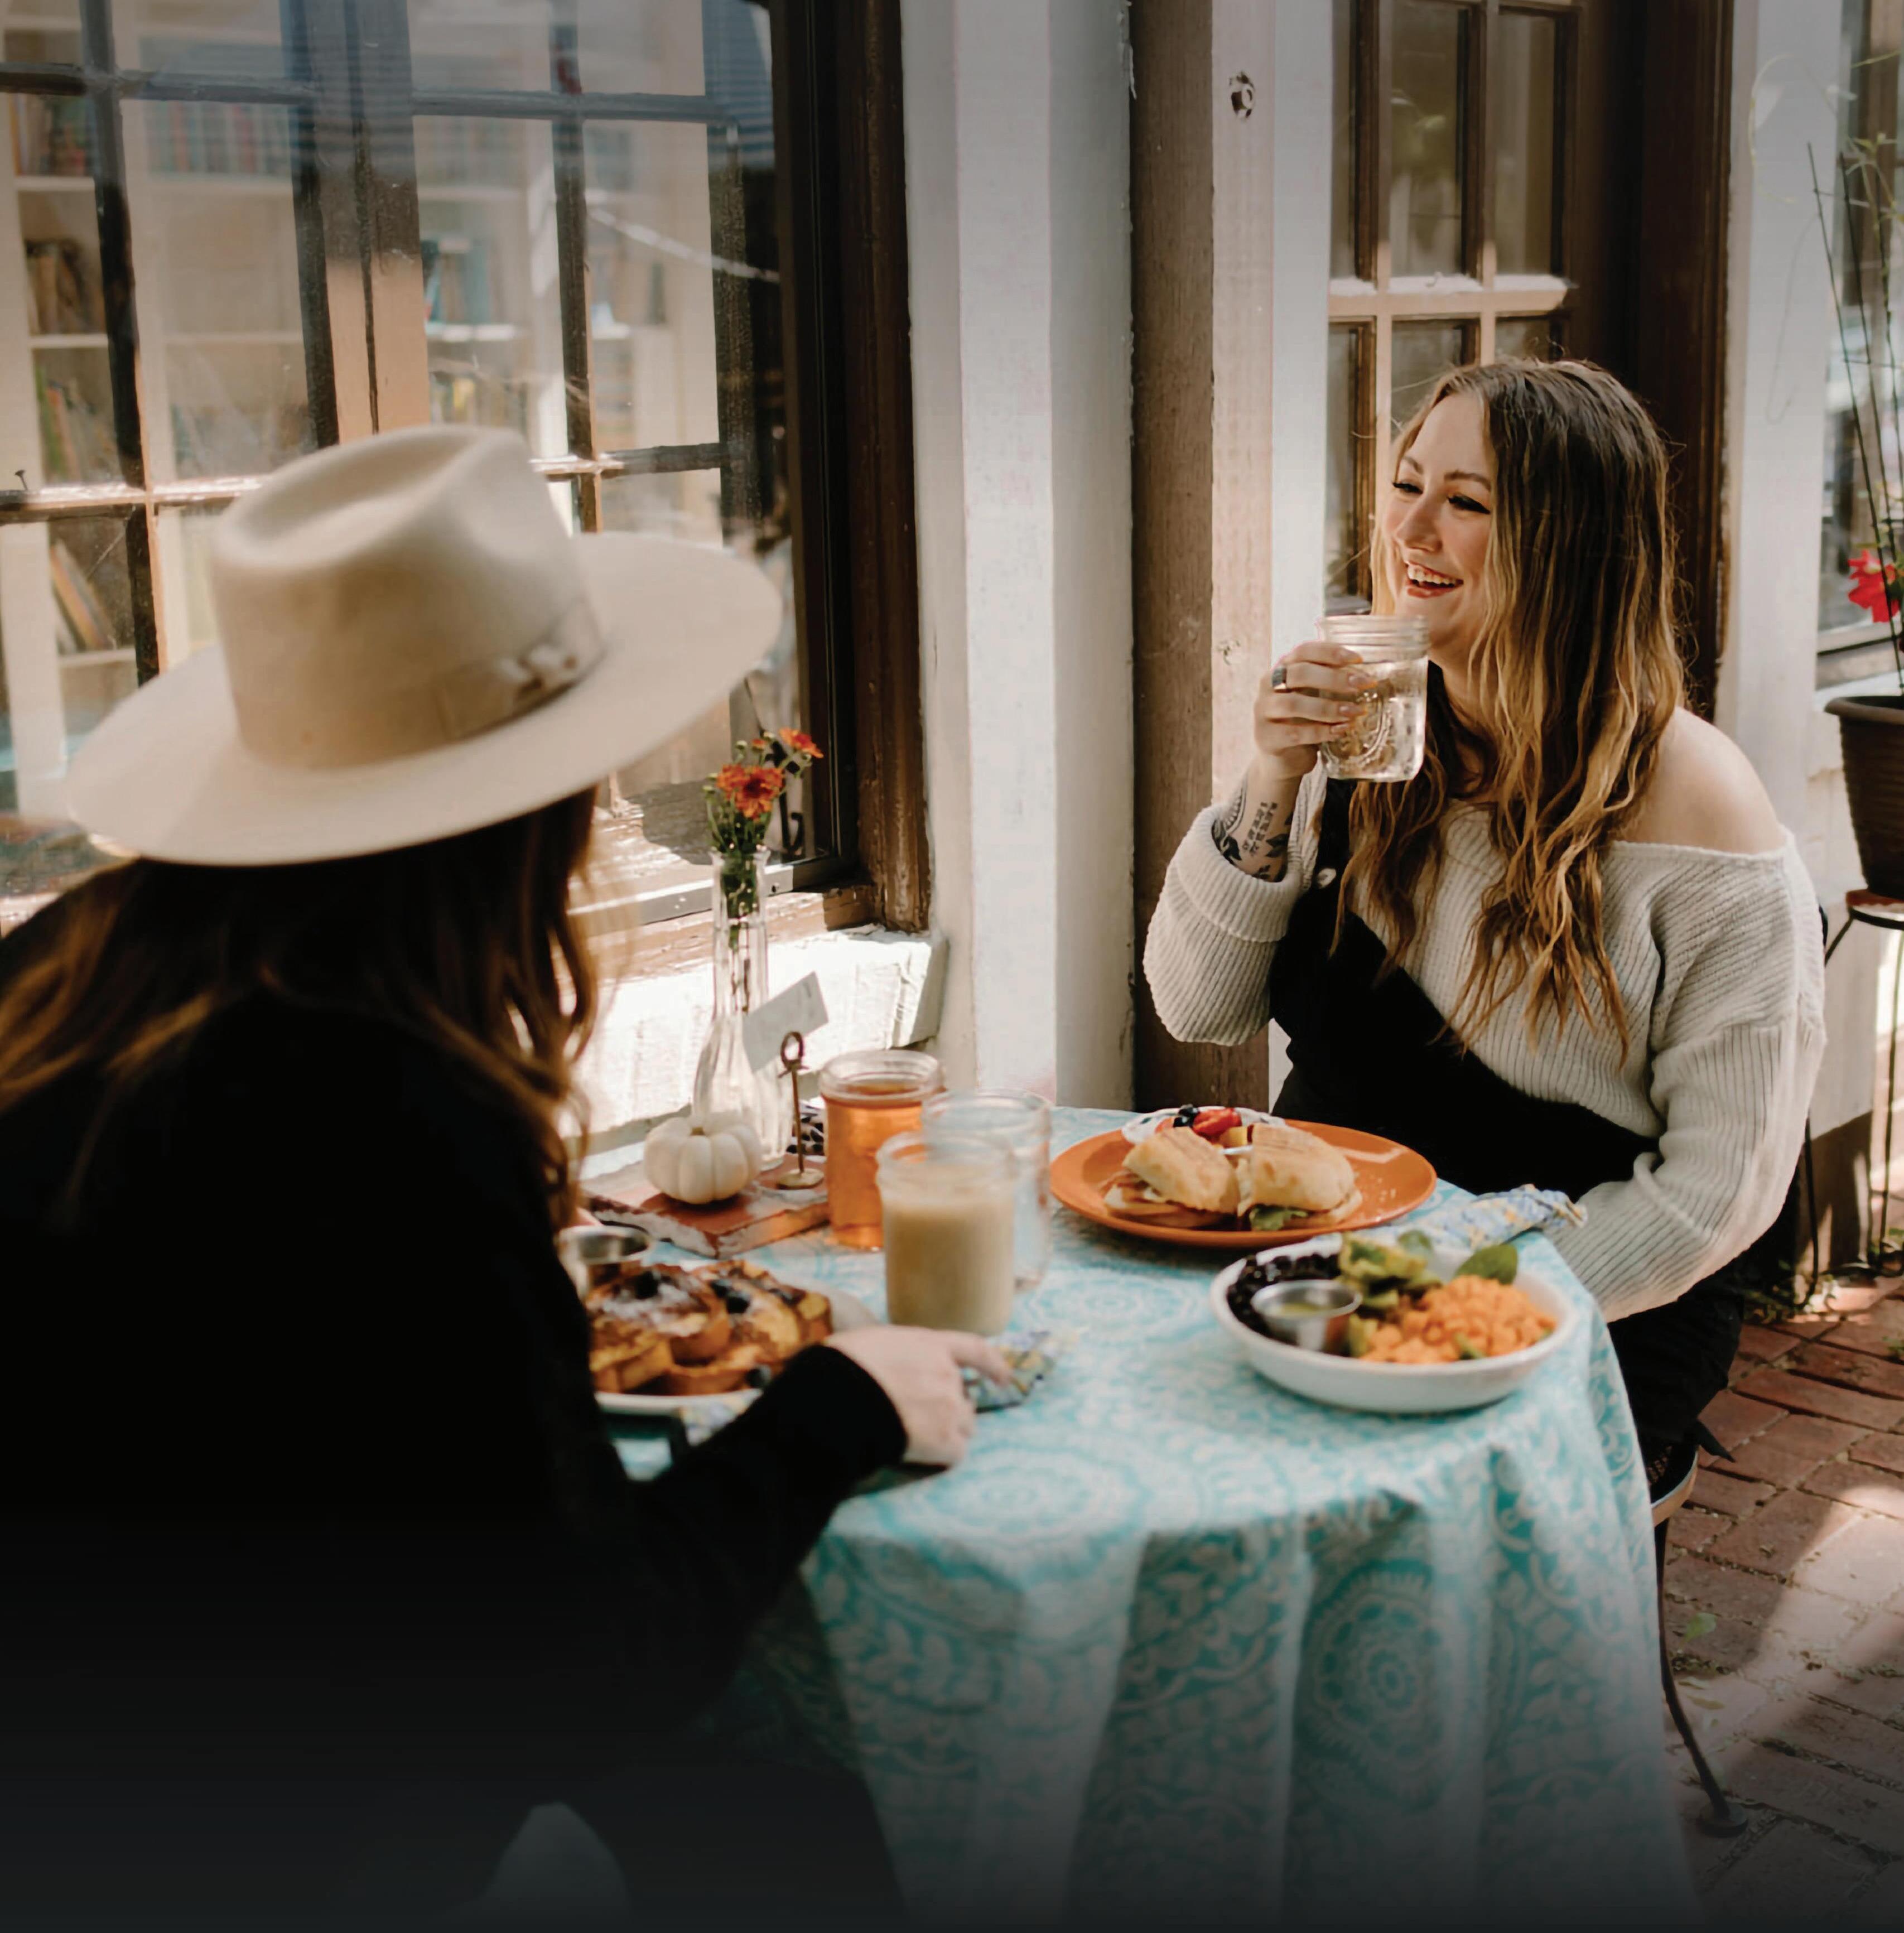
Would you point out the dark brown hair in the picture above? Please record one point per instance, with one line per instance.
(1575, 676)
(466, 942)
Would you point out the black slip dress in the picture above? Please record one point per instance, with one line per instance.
(1371, 1051)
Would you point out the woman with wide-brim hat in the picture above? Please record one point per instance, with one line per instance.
(322, 1568)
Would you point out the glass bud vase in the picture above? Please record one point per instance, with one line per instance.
(726, 1082)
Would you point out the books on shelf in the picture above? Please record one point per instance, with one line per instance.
(52, 135)
(198, 137)
(62, 291)
(83, 617)
(456, 278)
(76, 443)
(469, 151)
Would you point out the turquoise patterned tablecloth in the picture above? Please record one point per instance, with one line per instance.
(1172, 1642)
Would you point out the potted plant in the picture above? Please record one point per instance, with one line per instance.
(1871, 727)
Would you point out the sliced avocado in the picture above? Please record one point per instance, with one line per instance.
(1357, 1333)
(1381, 1299)
(1466, 1350)
(1499, 1262)
(1266, 1221)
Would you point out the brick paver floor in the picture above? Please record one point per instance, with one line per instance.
(1784, 1610)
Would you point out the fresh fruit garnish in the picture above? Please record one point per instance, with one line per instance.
(1185, 1116)
(1216, 1121)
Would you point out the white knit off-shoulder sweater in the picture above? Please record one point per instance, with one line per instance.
(1717, 958)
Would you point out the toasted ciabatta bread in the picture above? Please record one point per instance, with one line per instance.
(1285, 1168)
(1184, 1167)
(623, 1358)
(669, 1302)
(730, 1370)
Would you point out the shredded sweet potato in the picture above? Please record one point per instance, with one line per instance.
(1469, 1316)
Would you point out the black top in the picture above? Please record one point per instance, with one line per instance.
(300, 1465)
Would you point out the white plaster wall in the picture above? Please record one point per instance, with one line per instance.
(1090, 501)
(1780, 328)
(1017, 187)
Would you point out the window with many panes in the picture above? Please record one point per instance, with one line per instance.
(232, 230)
(1862, 381)
(1448, 240)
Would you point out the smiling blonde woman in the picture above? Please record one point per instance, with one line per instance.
(1577, 950)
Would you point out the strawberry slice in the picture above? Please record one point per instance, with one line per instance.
(1214, 1122)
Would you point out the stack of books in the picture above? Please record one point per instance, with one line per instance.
(52, 135)
(76, 443)
(84, 624)
(62, 292)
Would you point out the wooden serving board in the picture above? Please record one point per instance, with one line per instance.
(756, 1215)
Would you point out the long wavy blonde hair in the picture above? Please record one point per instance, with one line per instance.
(1574, 676)
(467, 943)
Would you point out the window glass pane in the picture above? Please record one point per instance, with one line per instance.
(1422, 354)
(1860, 376)
(1344, 538)
(654, 286)
(623, 46)
(1524, 163)
(210, 39)
(66, 647)
(220, 320)
(486, 207)
(1535, 337)
(56, 421)
(1341, 198)
(1426, 134)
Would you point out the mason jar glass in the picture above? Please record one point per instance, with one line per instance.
(1387, 741)
(1021, 1124)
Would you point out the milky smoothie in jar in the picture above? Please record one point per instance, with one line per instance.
(948, 1207)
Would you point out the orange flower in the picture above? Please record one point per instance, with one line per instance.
(751, 789)
(798, 742)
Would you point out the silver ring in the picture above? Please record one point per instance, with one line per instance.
(1279, 677)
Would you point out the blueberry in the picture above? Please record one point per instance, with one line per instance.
(759, 1378)
(1186, 1116)
(645, 1286)
(737, 1304)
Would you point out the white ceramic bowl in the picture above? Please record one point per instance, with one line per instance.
(1395, 1389)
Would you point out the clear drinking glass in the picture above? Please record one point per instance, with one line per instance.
(1021, 1124)
(870, 1097)
(947, 1205)
(1387, 742)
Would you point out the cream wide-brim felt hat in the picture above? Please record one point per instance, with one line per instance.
(412, 646)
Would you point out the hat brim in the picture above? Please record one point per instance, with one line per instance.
(166, 775)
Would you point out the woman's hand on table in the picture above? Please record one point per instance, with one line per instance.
(922, 1373)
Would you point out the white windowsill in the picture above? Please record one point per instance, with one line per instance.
(882, 989)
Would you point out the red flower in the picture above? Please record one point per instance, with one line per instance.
(799, 742)
(751, 789)
(1875, 587)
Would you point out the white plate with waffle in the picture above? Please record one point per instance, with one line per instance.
(692, 1339)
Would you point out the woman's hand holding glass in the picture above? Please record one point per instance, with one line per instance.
(1304, 702)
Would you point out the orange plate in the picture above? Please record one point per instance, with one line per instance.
(1393, 1180)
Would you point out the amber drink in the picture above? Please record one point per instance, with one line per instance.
(949, 1206)
(870, 1097)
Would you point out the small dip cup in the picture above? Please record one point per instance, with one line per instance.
(593, 1256)
(1303, 1313)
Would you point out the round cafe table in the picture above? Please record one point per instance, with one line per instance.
(1171, 1642)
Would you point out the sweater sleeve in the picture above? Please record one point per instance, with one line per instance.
(1211, 938)
(1737, 1036)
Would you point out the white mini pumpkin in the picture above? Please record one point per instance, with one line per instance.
(697, 1158)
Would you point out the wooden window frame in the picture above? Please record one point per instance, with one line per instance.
(1375, 300)
(840, 183)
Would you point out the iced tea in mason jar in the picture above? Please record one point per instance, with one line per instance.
(870, 1097)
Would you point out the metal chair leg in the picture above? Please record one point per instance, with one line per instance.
(1721, 1818)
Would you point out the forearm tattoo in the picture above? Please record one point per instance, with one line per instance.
(1262, 847)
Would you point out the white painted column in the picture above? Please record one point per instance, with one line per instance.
(1016, 181)
(1780, 333)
